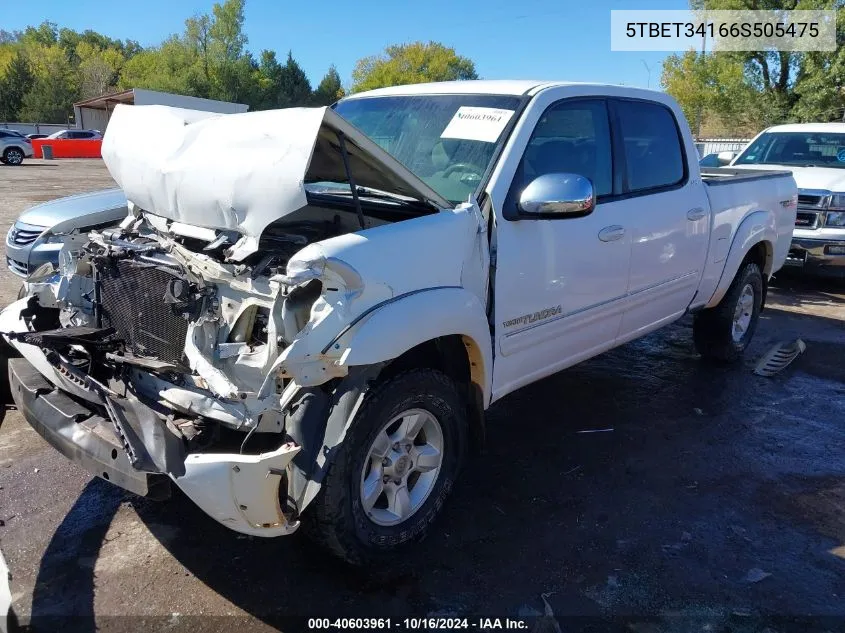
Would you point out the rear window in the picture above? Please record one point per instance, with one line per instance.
(653, 153)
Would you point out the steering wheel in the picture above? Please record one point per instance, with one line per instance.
(466, 167)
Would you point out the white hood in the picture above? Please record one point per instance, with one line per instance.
(827, 178)
(241, 172)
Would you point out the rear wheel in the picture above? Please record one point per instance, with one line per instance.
(394, 470)
(724, 332)
(13, 156)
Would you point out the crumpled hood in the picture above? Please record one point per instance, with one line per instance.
(241, 172)
(828, 178)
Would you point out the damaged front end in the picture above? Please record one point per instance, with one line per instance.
(213, 356)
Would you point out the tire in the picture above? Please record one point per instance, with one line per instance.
(338, 519)
(724, 332)
(22, 291)
(13, 156)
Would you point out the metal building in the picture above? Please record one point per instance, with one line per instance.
(94, 113)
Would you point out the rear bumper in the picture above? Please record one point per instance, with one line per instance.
(78, 432)
(818, 256)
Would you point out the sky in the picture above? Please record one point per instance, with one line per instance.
(528, 39)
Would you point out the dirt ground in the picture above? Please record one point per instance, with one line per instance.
(713, 500)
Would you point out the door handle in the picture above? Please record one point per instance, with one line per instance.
(612, 233)
(696, 214)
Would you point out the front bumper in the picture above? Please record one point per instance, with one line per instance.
(818, 256)
(78, 432)
(24, 259)
(240, 491)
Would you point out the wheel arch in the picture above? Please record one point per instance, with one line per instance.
(444, 329)
(753, 242)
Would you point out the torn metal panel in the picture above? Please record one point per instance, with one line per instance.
(241, 491)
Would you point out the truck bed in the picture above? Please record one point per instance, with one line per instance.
(715, 176)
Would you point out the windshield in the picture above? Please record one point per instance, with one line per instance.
(808, 149)
(447, 141)
(57, 134)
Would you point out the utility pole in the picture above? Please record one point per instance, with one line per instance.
(700, 114)
(648, 70)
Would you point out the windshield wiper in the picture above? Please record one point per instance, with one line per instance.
(366, 192)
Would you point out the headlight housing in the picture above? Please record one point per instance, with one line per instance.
(835, 218)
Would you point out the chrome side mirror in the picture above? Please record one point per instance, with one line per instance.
(725, 158)
(558, 195)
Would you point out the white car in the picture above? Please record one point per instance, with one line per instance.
(77, 135)
(312, 329)
(14, 147)
(815, 154)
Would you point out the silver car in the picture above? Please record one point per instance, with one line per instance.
(36, 238)
(14, 147)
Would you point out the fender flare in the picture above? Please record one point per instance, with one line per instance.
(758, 226)
(401, 324)
(318, 421)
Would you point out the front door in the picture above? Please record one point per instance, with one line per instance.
(560, 283)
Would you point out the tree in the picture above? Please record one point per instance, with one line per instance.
(295, 87)
(98, 69)
(416, 62)
(50, 100)
(745, 91)
(16, 82)
(330, 89)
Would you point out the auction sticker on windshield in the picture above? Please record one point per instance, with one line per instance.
(472, 123)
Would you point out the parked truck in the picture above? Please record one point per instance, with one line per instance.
(815, 154)
(306, 312)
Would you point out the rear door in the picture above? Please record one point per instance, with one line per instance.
(668, 215)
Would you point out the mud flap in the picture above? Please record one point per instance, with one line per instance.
(317, 422)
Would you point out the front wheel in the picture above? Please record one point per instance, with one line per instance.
(13, 156)
(394, 470)
(724, 332)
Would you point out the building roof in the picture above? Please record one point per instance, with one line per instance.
(104, 102)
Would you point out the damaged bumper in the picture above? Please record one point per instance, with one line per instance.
(77, 432)
(240, 491)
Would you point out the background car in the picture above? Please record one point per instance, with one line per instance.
(77, 134)
(719, 159)
(37, 236)
(14, 147)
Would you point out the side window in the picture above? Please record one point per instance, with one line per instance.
(4, 135)
(653, 153)
(84, 135)
(572, 136)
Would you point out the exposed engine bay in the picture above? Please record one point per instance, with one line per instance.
(207, 339)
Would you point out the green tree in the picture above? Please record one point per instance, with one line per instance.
(98, 69)
(416, 62)
(330, 89)
(50, 100)
(14, 84)
(270, 75)
(295, 87)
(745, 91)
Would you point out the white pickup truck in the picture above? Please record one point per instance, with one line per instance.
(306, 312)
(815, 154)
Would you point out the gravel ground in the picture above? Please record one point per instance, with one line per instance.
(716, 501)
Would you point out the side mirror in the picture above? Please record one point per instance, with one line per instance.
(725, 158)
(564, 195)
